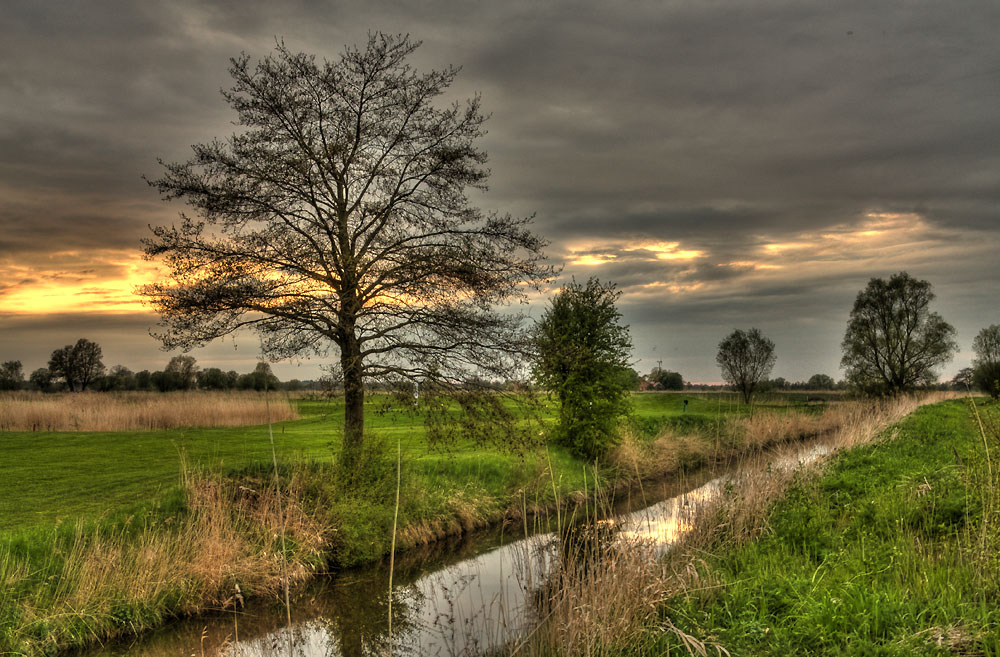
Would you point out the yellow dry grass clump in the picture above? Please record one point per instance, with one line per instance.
(138, 411)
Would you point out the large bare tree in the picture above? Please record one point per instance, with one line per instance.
(338, 218)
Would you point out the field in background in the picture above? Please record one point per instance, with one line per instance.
(138, 411)
(52, 475)
(175, 517)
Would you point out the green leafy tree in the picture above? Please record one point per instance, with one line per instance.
(166, 380)
(118, 378)
(986, 365)
(337, 219)
(893, 342)
(41, 379)
(262, 378)
(213, 378)
(581, 351)
(746, 358)
(669, 380)
(630, 378)
(821, 382)
(144, 380)
(184, 369)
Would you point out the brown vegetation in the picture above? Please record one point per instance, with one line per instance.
(138, 411)
(742, 516)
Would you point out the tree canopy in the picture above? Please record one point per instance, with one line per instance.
(986, 365)
(78, 365)
(668, 379)
(746, 358)
(821, 382)
(338, 219)
(893, 341)
(582, 350)
(11, 375)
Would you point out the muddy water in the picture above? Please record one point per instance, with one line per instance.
(461, 597)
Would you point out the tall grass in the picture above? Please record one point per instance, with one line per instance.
(136, 411)
(119, 579)
(986, 480)
(614, 605)
(742, 514)
(730, 437)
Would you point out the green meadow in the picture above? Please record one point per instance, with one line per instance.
(65, 476)
(105, 534)
(891, 550)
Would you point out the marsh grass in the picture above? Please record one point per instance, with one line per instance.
(626, 602)
(137, 411)
(66, 586)
(729, 437)
(121, 574)
(885, 550)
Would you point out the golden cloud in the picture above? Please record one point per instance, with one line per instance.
(77, 282)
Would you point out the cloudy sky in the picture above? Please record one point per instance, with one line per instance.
(727, 163)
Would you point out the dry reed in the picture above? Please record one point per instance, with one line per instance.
(136, 411)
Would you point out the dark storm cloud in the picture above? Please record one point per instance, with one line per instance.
(723, 127)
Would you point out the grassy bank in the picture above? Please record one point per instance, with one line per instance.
(213, 528)
(891, 548)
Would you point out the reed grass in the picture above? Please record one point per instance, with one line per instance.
(617, 604)
(730, 437)
(96, 581)
(87, 582)
(137, 411)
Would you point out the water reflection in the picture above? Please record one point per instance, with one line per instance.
(464, 597)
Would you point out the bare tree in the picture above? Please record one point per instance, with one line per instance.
(893, 342)
(78, 364)
(746, 358)
(338, 217)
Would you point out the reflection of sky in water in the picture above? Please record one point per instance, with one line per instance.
(467, 608)
(481, 603)
(662, 524)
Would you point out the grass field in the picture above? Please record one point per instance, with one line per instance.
(892, 549)
(167, 522)
(882, 555)
(50, 476)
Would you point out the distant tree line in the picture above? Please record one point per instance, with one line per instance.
(79, 367)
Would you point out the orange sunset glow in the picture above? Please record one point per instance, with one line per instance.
(98, 282)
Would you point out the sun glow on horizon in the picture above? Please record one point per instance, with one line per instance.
(77, 282)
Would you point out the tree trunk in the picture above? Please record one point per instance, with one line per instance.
(354, 399)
